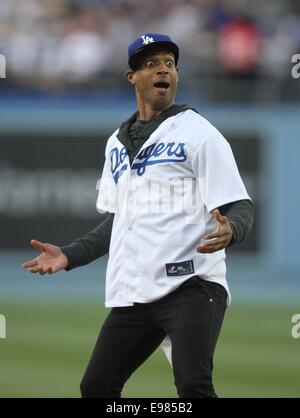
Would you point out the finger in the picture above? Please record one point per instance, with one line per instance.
(214, 244)
(40, 270)
(218, 217)
(30, 263)
(211, 249)
(217, 234)
(34, 269)
(211, 244)
(38, 245)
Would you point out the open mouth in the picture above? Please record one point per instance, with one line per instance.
(162, 85)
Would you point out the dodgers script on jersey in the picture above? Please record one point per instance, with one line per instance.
(163, 204)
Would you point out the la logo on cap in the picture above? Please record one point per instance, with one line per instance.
(147, 39)
(144, 43)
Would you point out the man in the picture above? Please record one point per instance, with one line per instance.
(162, 280)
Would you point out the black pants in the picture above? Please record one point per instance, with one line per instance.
(192, 316)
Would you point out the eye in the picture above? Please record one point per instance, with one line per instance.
(149, 64)
(170, 63)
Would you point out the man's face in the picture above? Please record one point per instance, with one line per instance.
(155, 79)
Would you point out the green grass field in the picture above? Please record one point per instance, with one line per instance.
(48, 346)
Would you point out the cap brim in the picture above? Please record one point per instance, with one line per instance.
(165, 45)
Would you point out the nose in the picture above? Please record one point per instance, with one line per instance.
(162, 68)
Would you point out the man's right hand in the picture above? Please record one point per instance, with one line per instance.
(51, 259)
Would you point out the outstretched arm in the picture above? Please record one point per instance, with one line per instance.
(91, 246)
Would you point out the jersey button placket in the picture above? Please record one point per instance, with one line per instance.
(131, 241)
(129, 202)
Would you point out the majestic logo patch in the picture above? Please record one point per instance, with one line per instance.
(170, 152)
(180, 269)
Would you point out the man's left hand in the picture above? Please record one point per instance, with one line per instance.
(219, 239)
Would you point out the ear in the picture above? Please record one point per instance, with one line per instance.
(131, 77)
(177, 74)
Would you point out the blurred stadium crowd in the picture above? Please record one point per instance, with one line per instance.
(66, 45)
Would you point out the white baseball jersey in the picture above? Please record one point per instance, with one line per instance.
(163, 204)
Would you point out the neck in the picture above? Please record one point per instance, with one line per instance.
(148, 112)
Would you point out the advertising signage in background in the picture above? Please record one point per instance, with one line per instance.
(48, 187)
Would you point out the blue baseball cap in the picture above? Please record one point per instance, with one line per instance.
(147, 42)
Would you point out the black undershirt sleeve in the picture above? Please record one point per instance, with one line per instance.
(92, 245)
(241, 217)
